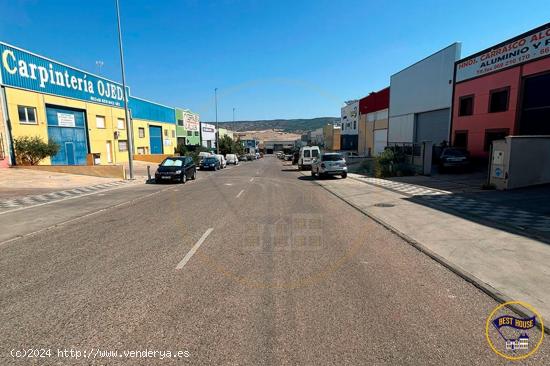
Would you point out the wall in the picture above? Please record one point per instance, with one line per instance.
(97, 137)
(208, 133)
(105, 171)
(424, 86)
(4, 146)
(480, 120)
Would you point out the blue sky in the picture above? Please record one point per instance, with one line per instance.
(268, 59)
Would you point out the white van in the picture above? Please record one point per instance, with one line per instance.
(203, 154)
(307, 155)
(223, 162)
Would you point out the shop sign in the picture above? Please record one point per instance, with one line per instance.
(531, 47)
(24, 70)
(65, 120)
(191, 122)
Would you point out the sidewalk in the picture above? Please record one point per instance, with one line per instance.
(19, 183)
(505, 264)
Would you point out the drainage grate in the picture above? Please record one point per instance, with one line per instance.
(384, 205)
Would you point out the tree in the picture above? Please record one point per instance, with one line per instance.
(32, 150)
(226, 145)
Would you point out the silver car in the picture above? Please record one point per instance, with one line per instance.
(329, 164)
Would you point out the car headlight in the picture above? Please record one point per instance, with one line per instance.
(178, 172)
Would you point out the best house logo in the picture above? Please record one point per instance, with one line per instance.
(24, 70)
(511, 336)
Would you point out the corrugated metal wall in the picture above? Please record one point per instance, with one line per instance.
(142, 109)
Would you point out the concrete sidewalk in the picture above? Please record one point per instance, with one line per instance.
(504, 264)
(18, 183)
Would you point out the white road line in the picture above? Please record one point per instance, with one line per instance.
(252, 179)
(194, 249)
(241, 192)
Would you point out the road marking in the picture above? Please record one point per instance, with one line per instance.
(241, 192)
(194, 249)
(252, 179)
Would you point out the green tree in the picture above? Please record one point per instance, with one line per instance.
(32, 150)
(226, 145)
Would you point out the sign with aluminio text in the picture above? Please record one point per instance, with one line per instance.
(24, 70)
(533, 46)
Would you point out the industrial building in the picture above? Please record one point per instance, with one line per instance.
(82, 112)
(503, 90)
(421, 98)
(349, 121)
(373, 123)
(208, 135)
(187, 128)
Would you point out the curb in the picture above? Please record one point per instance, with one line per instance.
(484, 287)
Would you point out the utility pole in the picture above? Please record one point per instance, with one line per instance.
(129, 132)
(217, 125)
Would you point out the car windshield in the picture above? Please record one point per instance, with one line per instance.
(210, 160)
(331, 157)
(172, 162)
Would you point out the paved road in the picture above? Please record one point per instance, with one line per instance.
(282, 273)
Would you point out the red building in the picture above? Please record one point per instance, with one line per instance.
(503, 90)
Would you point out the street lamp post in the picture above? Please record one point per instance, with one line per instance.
(129, 132)
(217, 125)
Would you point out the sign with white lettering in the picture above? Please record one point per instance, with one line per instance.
(24, 70)
(65, 120)
(534, 45)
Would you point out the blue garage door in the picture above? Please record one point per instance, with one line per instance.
(67, 127)
(155, 139)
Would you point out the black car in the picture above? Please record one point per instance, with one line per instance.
(179, 169)
(210, 163)
(453, 158)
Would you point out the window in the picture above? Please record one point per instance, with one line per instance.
(100, 121)
(492, 135)
(122, 145)
(498, 100)
(27, 114)
(466, 105)
(120, 123)
(180, 122)
(354, 125)
(461, 139)
(196, 133)
(307, 153)
(173, 134)
(314, 153)
(165, 133)
(189, 133)
(141, 132)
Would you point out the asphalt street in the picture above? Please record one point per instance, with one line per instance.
(253, 265)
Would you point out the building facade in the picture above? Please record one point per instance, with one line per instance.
(187, 128)
(82, 112)
(208, 135)
(503, 90)
(349, 121)
(373, 123)
(332, 135)
(421, 98)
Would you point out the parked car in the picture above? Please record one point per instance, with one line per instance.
(279, 154)
(210, 163)
(329, 164)
(257, 156)
(223, 162)
(307, 155)
(453, 158)
(288, 157)
(178, 169)
(242, 157)
(204, 154)
(232, 159)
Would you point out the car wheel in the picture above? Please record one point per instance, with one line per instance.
(194, 176)
(344, 175)
(183, 178)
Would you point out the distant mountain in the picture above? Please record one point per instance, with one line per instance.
(286, 125)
